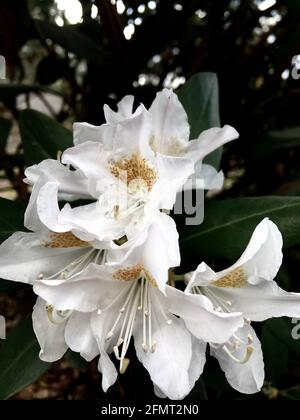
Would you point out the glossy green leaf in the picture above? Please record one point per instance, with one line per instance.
(200, 98)
(20, 364)
(228, 225)
(75, 360)
(277, 140)
(42, 137)
(276, 351)
(11, 217)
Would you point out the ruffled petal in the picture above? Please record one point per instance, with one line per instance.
(79, 336)
(33, 257)
(49, 335)
(168, 366)
(169, 121)
(247, 377)
(200, 317)
(92, 289)
(208, 141)
(125, 110)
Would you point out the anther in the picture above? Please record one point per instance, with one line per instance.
(124, 365)
(169, 322)
(41, 276)
(99, 312)
(153, 347)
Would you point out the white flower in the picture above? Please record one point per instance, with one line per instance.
(2, 327)
(130, 168)
(170, 133)
(247, 287)
(132, 299)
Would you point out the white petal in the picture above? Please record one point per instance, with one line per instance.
(248, 377)
(48, 209)
(93, 161)
(91, 221)
(84, 132)
(33, 257)
(133, 135)
(169, 121)
(31, 217)
(173, 174)
(262, 301)
(108, 370)
(125, 109)
(200, 317)
(203, 276)
(208, 141)
(92, 289)
(261, 260)
(266, 261)
(50, 336)
(210, 178)
(198, 360)
(157, 251)
(196, 367)
(101, 325)
(168, 366)
(161, 249)
(79, 336)
(72, 184)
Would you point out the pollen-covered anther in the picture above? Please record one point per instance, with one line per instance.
(134, 273)
(129, 273)
(236, 279)
(134, 169)
(124, 365)
(64, 240)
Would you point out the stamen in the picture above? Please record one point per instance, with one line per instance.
(250, 339)
(248, 354)
(62, 315)
(124, 365)
(153, 348)
(75, 266)
(133, 169)
(64, 240)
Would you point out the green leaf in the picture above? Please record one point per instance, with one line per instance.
(228, 225)
(75, 360)
(11, 220)
(276, 351)
(281, 329)
(200, 98)
(42, 137)
(20, 364)
(5, 127)
(11, 217)
(277, 140)
(72, 40)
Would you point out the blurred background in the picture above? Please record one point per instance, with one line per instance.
(66, 58)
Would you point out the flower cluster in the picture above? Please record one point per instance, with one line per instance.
(102, 246)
